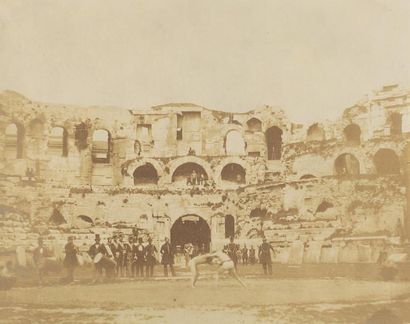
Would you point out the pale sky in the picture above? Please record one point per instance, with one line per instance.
(313, 58)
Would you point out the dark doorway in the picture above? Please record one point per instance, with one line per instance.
(274, 143)
(386, 162)
(233, 172)
(347, 165)
(229, 226)
(145, 174)
(191, 229)
(352, 134)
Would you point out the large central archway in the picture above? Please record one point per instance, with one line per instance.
(191, 229)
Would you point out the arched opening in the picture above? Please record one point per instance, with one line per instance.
(347, 164)
(233, 172)
(274, 143)
(234, 143)
(189, 172)
(352, 134)
(229, 226)
(81, 136)
(315, 133)
(57, 142)
(307, 176)
(101, 146)
(14, 136)
(395, 124)
(191, 229)
(254, 125)
(57, 218)
(386, 161)
(145, 174)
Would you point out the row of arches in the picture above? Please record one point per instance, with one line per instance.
(352, 132)
(385, 162)
(235, 143)
(57, 140)
(189, 172)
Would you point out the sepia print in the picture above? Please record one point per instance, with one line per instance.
(204, 162)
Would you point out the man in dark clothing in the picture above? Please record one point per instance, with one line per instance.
(139, 258)
(129, 257)
(121, 257)
(95, 249)
(40, 254)
(245, 255)
(70, 260)
(167, 253)
(232, 251)
(150, 252)
(264, 257)
(252, 255)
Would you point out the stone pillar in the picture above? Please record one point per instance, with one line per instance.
(406, 220)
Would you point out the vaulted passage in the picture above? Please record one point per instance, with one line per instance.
(274, 143)
(386, 161)
(233, 172)
(145, 174)
(101, 146)
(315, 133)
(14, 138)
(188, 171)
(58, 142)
(191, 229)
(229, 226)
(347, 164)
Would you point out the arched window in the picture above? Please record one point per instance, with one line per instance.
(101, 146)
(14, 136)
(145, 174)
(233, 172)
(396, 124)
(386, 161)
(347, 164)
(234, 143)
(315, 133)
(274, 143)
(57, 142)
(229, 226)
(254, 125)
(189, 172)
(352, 134)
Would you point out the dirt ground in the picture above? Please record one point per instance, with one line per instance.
(265, 300)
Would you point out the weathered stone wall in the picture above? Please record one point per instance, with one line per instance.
(301, 201)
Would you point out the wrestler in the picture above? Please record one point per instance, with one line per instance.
(224, 261)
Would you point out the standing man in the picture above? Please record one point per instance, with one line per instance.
(167, 253)
(70, 259)
(252, 255)
(150, 259)
(121, 257)
(232, 251)
(96, 248)
(245, 255)
(129, 257)
(264, 257)
(139, 258)
(40, 254)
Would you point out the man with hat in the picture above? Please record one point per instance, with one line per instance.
(40, 253)
(121, 257)
(139, 257)
(70, 259)
(95, 249)
(129, 268)
(150, 258)
(264, 256)
(167, 253)
(233, 251)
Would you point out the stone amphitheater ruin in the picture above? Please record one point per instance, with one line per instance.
(328, 192)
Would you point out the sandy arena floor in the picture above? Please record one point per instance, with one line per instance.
(173, 301)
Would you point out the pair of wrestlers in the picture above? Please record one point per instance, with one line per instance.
(219, 257)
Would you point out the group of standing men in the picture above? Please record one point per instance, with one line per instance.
(129, 258)
(249, 255)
